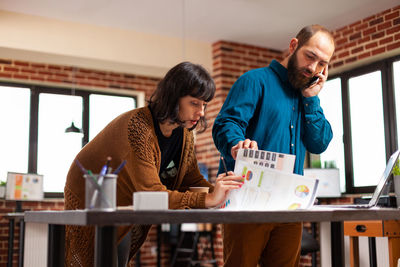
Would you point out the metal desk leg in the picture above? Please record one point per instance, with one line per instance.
(372, 251)
(10, 242)
(337, 244)
(55, 255)
(105, 251)
(159, 245)
(21, 243)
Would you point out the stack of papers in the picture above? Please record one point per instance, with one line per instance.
(270, 183)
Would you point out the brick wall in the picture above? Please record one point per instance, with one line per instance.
(8, 206)
(67, 76)
(365, 39)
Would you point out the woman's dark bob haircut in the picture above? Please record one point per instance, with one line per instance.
(182, 80)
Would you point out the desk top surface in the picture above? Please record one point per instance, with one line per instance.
(120, 217)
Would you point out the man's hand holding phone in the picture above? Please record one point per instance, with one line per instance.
(316, 83)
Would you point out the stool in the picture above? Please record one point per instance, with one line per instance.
(186, 250)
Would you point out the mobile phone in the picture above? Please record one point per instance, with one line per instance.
(313, 80)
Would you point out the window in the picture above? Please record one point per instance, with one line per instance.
(56, 148)
(396, 77)
(14, 134)
(104, 108)
(367, 128)
(38, 117)
(370, 97)
(331, 103)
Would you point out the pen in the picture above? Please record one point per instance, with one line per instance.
(117, 170)
(223, 163)
(103, 172)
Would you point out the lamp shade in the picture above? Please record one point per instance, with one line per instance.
(73, 129)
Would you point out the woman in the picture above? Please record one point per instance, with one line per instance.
(157, 143)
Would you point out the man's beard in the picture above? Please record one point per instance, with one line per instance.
(295, 74)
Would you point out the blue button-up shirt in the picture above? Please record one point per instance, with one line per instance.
(264, 107)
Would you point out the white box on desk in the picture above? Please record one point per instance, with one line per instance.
(150, 200)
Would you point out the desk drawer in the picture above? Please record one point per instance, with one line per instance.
(363, 228)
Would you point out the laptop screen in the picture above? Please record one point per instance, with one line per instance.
(384, 178)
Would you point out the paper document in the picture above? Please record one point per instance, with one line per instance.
(269, 183)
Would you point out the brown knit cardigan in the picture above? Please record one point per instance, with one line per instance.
(131, 137)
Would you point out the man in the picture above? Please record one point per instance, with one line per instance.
(276, 109)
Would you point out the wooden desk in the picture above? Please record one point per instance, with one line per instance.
(389, 229)
(105, 223)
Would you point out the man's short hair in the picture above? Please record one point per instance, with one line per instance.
(309, 31)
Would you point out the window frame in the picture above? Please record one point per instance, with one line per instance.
(385, 66)
(36, 90)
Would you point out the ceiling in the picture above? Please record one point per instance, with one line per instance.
(264, 23)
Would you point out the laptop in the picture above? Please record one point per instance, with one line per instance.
(378, 190)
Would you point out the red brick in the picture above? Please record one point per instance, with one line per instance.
(38, 66)
(378, 51)
(11, 69)
(21, 63)
(384, 25)
(28, 70)
(338, 64)
(397, 36)
(364, 55)
(376, 21)
(363, 40)
(54, 67)
(369, 18)
(342, 29)
(386, 40)
(350, 60)
(355, 24)
(378, 35)
(5, 75)
(341, 41)
(393, 30)
(357, 50)
(349, 31)
(369, 31)
(5, 61)
(392, 15)
(355, 36)
(362, 27)
(393, 46)
(18, 76)
(371, 45)
(396, 21)
(44, 72)
(349, 45)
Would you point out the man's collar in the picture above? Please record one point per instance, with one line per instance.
(280, 70)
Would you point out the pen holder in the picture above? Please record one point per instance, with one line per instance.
(100, 192)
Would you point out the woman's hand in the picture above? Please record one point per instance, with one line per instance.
(222, 186)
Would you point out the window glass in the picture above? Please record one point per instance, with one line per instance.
(56, 148)
(104, 108)
(396, 78)
(331, 103)
(14, 134)
(367, 128)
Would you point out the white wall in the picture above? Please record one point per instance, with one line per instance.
(34, 38)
